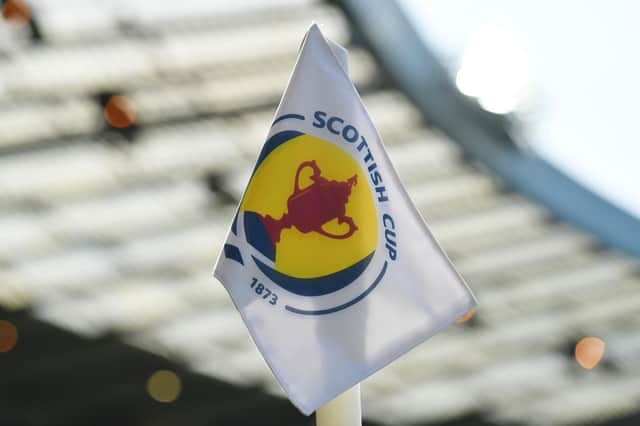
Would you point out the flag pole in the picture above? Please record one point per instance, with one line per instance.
(343, 410)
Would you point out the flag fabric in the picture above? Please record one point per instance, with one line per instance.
(328, 261)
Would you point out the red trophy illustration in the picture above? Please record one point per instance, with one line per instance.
(309, 208)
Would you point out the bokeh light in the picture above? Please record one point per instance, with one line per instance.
(164, 386)
(119, 112)
(16, 12)
(8, 336)
(589, 352)
(466, 317)
(494, 69)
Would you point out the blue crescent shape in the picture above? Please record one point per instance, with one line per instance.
(317, 286)
(344, 305)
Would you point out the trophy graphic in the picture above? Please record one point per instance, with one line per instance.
(309, 208)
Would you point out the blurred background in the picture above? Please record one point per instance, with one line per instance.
(127, 133)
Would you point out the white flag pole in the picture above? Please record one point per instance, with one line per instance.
(343, 410)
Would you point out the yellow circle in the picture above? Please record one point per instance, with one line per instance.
(164, 386)
(309, 255)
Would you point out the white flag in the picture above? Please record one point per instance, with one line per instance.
(327, 260)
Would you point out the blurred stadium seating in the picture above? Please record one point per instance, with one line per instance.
(108, 235)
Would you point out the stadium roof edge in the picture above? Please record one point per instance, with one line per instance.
(383, 27)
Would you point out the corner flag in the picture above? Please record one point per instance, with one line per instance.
(328, 261)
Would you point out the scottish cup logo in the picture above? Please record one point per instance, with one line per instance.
(310, 208)
(327, 259)
(310, 219)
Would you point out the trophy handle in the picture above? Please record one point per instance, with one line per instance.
(316, 174)
(344, 219)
